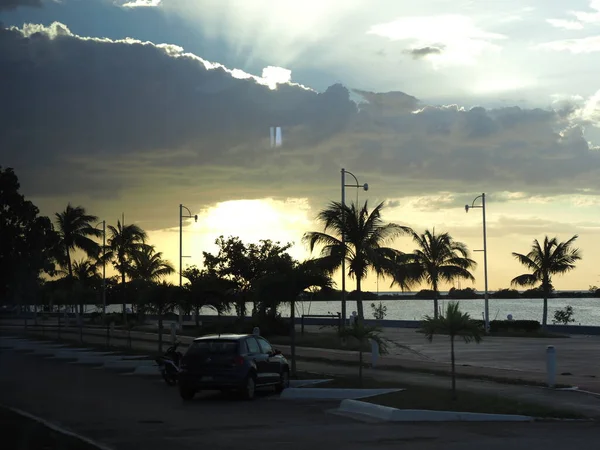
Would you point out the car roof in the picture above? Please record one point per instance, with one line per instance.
(225, 337)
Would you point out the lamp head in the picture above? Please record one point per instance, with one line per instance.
(196, 218)
(466, 208)
(366, 186)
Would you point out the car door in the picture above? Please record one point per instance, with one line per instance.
(261, 360)
(273, 362)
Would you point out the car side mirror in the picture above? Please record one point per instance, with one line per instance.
(276, 352)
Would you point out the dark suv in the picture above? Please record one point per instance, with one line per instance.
(225, 362)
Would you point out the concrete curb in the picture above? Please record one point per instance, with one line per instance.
(300, 383)
(388, 414)
(331, 394)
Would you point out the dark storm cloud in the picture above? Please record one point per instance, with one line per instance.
(422, 52)
(150, 123)
(13, 4)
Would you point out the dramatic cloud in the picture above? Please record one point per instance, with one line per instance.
(148, 126)
(12, 4)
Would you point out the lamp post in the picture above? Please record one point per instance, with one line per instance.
(485, 270)
(344, 186)
(181, 217)
(104, 277)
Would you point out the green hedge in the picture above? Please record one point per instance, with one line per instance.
(530, 326)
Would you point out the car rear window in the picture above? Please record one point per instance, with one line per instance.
(213, 347)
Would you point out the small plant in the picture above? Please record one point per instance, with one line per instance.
(453, 323)
(363, 334)
(564, 316)
(379, 311)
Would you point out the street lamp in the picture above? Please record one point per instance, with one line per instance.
(344, 186)
(181, 217)
(485, 271)
(104, 276)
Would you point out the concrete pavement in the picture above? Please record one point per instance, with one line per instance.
(573, 401)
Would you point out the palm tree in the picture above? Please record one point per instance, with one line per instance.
(149, 265)
(75, 231)
(124, 242)
(287, 285)
(363, 334)
(206, 288)
(161, 298)
(543, 261)
(364, 248)
(438, 258)
(453, 323)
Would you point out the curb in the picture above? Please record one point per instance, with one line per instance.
(331, 393)
(388, 414)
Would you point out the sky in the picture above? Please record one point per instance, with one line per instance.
(135, 106)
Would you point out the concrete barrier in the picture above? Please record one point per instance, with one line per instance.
(418, 415)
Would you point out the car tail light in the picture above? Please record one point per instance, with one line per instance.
(238, 360)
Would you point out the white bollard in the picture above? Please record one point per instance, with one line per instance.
(173, 332)
(374, 353)
(551, 365)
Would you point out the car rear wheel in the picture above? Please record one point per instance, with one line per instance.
(249, 388)
(186, 393)
(284, 382)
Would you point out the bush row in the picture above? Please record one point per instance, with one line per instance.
(512, 325)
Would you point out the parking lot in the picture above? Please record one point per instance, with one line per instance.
(139, 412)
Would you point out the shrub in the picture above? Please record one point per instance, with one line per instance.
(506, 293)
(379, 311)
(564, 316)
(467, 293)
(425, 293)
(529, 326)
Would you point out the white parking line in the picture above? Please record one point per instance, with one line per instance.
(59, 428)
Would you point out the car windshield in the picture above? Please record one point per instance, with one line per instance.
(215, 346)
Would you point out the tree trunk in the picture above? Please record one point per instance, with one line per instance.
(546, 291)
(545, 313)
(435, 301)
(453, 368)
(359, 304)
(123, 298)
(160, 330)
(293, 336)
(360, 366)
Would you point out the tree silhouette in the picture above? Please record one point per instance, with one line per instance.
(287, 285)
(149, 265)
(124, 242)
(438, 258)
(364, 248)
(543, 261)
(76, 230)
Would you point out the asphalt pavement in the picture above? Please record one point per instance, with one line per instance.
(128, 412)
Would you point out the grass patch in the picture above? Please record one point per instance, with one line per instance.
(520, 333)
(21, 432)
(321, 340)
(444, 373)
(440, 399)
